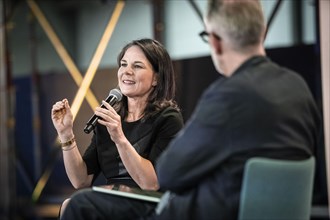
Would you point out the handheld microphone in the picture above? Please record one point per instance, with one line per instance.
(114, 96)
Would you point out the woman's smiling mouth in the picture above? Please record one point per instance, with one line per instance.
(128, 82)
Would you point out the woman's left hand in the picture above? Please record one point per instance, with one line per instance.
(110, 119)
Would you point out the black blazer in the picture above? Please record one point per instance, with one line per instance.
(149, 138)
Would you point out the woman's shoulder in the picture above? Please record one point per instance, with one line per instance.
(168, 119)
(163, 111)
(170, 115)
(169, 111)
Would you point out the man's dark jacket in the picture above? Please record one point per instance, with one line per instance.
(261, 110)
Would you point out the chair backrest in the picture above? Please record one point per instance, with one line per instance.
(277, 189)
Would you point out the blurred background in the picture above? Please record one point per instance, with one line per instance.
(51, 47)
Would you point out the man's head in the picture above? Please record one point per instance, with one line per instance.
(234, 27)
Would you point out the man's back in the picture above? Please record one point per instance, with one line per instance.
(261, 110)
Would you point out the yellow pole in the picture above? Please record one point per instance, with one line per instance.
(62, 52)
(84, 88)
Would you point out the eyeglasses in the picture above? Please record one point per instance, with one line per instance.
(205, 36)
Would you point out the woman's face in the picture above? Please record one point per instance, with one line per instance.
(136, 77)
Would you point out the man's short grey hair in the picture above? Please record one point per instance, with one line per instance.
(242, 21)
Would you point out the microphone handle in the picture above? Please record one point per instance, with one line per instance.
(90, 125)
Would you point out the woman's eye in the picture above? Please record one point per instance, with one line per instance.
(137, 66)
(123, 64)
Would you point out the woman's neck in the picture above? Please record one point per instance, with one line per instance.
(135, 110)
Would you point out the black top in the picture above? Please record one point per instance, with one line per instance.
(149, 138)
(261, 110)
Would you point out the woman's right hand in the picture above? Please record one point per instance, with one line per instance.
(63, 119)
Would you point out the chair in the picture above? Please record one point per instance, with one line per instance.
(277, 189)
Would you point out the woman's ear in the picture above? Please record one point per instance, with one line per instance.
(154, 81)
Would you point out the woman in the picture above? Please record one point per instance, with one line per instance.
(130, 136)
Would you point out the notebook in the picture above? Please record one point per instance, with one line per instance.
(129, 192)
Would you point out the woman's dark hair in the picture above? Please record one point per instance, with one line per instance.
(163, 93)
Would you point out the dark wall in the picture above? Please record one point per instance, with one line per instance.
(194, 75)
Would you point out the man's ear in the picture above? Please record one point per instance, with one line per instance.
(217, 45)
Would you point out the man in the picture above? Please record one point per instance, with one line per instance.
(256, 108)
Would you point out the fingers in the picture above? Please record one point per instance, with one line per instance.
(108, 106)
(107, 113)
(66, 103)
(61, 104)
(105, 109)
(103, 113)
(58, 106)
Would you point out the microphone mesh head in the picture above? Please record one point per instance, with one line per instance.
(117, 93)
